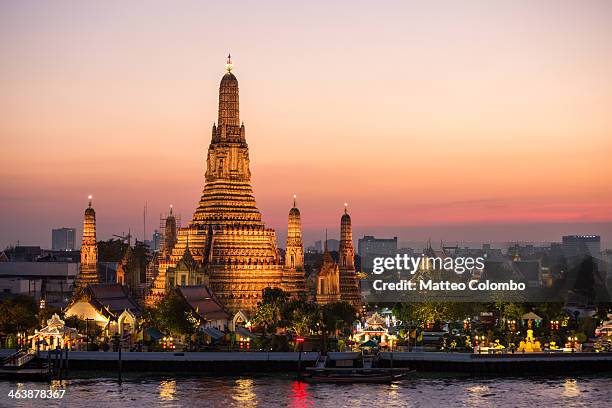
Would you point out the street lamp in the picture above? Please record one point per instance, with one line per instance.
(572, 341)
(554, 325)
(512, 325)
(300, 342)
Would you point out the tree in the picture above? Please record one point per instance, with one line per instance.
(111, 250)
(299, 316)
(174, 316)
(18, 314)
(268, 315)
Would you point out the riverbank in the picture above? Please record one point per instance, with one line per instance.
(262, 362)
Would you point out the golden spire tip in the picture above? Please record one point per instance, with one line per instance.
(228, 64)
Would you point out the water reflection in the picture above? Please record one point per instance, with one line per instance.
(167, 390)
(147, 390)
(570, 388)
(243, 392)
(299, 395)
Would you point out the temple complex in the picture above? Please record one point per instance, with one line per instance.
(226, 245)
(88, 271)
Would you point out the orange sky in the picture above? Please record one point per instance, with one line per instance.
(450, 113)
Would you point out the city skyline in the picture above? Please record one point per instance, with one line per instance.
(453, 136)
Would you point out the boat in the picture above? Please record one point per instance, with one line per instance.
(350, 368)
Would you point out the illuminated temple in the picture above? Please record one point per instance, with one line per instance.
(226, 245)
(88, 269)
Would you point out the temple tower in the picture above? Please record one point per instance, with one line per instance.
(226, 235)
(169, 235)
(328, 279)
(88, 271)
(293, 274)
(349, 282)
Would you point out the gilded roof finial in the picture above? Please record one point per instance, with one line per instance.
(294, 197)
(89, 197)
(346, 208)
(171, 206)
(228, 64)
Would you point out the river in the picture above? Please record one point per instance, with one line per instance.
(153, 390)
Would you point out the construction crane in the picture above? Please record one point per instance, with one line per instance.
(125, 237)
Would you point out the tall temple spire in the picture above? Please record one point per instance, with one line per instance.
(228, 100)
(328, 279)
(88, 271)
(349, 283)
(169, 235)
(237, 254)
(293, 278)
(227, 197)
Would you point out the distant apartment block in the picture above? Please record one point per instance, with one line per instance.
(370, 247)
(580, 245)
(63, 239)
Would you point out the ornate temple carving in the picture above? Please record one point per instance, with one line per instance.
(349, 282)
(128, 273)
(293, 276)
(226, 235)
(227, 246)
(328, 279)
(88, 270)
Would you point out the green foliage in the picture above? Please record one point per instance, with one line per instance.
(587, 325)
(111, 250)
(300, 316)
(274, 296)
(88, 328)
(18, 314)
(550, 310)
(337, 316)
(510, 310)
(434, 311)
(173, 316)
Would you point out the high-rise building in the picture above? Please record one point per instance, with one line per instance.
(580, 245)
(156, 240)
(63, 239)
(370, 247)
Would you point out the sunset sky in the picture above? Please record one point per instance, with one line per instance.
(455, 120)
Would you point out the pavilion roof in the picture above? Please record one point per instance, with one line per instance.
(203, 302)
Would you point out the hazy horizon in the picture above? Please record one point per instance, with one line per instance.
(479, 121)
